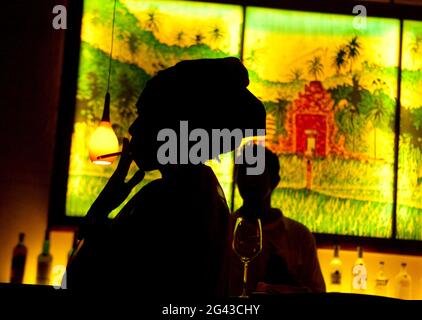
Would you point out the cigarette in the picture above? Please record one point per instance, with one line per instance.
(109, 155)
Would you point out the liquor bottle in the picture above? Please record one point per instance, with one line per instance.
(359, 274)
(381, 282)
(403, 284)
(336, 270)
(44, 262)
(18, 260)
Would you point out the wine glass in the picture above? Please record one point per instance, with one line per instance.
(247, 244)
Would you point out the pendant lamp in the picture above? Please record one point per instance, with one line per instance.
(103, 140)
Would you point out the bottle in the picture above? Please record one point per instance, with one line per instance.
(336, 270)
(18, 260)
(381, 282)
(403, 284)
(359, 274)
(44, 262)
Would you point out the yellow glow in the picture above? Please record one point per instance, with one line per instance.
(103, 141)
(372, 259)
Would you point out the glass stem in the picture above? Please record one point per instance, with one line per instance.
(245, 279)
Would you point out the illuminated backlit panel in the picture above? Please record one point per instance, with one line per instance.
(329, 85)
(409, 193)
(149, 36)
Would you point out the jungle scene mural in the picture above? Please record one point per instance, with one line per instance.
(330, 92)
(329, 88)
(409, 193)
(149, 36)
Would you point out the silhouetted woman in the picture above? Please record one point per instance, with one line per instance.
(171, 238)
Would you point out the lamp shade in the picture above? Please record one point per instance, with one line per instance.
(103, 141)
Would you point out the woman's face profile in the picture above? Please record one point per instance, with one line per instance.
(143, 144)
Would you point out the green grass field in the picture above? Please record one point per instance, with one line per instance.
(327, 214)
(347, 197)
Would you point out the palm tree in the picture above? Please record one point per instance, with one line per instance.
(379, 85)
(376, 114)
(355, 96)
(152, 21)
(296, 75)
(340, 59)
(253, 56)
(353, 51)
(198, 38)
(315, 67)
(180, 37)
(216, 34)
(353, 107)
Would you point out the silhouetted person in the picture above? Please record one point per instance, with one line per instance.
(288, 261)
(170, 240)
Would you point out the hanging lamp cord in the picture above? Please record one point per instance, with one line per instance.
(106, 110)
(111, 47)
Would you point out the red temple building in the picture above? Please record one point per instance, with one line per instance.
(310, 125)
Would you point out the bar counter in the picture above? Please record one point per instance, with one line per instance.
(257, 306)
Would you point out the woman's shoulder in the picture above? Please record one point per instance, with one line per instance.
(144, 197)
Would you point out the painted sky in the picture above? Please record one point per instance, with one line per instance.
(283, 40)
